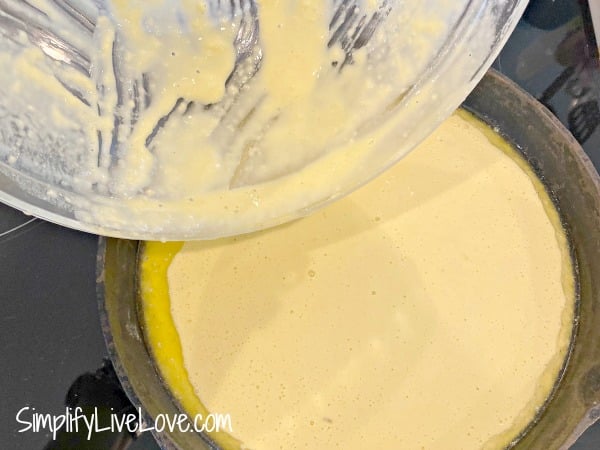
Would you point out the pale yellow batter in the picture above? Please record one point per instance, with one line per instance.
(431, 309)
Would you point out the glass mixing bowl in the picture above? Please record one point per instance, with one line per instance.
(55, 131)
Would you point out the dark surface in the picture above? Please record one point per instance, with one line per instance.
(49, 327)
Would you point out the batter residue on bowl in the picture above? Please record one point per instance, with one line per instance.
(157, 121)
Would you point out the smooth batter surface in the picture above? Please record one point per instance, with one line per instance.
(431, 309)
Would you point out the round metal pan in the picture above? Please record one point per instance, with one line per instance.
(574, 185)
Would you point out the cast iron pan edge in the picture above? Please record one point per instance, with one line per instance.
(574, 186)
